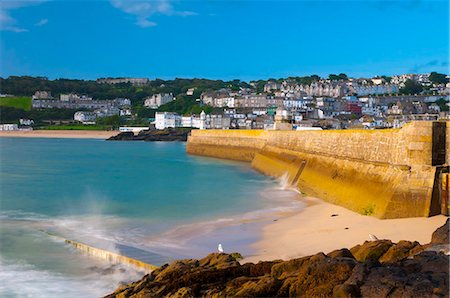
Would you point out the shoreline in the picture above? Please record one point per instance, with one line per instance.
(315, 230)
(61, 134)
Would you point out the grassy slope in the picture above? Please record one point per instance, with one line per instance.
(23, 103)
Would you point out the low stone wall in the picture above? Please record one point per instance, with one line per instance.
(385, 173)
(111, 257)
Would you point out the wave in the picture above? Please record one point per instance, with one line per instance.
(283, 202)
(25, 280)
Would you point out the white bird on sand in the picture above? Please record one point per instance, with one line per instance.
(373, 237)
(220, 248)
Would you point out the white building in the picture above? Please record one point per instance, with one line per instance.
(9, 127)
(157, 100)
(73, 97)
(134, 129)
(363, 90)
(122, 102)
(223, 102)
(107, 112)
(85, 117)
(26, 122)
(165, 120)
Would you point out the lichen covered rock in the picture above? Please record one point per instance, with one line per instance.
(374, 269)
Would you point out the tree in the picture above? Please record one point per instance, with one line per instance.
(411, 87)
(333, 77)
(387, 78)
(443, 104)
(438, 78)
(114, 121)
(343, 76)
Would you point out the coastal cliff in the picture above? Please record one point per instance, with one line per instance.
(389, 173)
(373, 269)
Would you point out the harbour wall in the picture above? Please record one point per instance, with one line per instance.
(389, 173)
(111, 256)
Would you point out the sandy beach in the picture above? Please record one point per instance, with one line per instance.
(315, 230)
(67, 134)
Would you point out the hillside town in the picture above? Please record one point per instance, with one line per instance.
(335, 102)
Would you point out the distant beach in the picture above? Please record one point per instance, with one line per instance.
(324, 227)
(66, 134)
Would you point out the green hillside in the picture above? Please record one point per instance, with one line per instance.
(23, 102)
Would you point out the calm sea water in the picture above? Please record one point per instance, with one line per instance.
(149, 201)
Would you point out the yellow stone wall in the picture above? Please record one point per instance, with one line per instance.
(385, 173)
(447, 138)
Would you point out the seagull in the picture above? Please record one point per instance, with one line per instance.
(220, 248)
(373, 237)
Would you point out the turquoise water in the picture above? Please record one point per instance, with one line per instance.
(149, 201)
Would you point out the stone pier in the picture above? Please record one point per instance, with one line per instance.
(388, 173)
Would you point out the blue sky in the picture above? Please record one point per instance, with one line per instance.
(222, 39)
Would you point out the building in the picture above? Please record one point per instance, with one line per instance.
(107, 112)
(271, 85)
(133, 81)
(9, 127)
(363, 90)
(42, 95)
(26, 122)
(73, 97)
(251, 101)
(165, 120)
(224, 102)
(85, 117)
(190, 91)
(134, 129)
(79, 103)
(354, 107)
(215, 122)
(157, 100)
(191, 121)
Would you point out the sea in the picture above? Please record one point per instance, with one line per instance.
(146, 200)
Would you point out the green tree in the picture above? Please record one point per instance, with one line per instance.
(333, 77)
(113, 121)
(411, 87)
(443, 104)
(438, 78)
(343, 76)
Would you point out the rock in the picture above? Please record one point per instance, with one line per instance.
(219, 260)
(341, 253)
(319, 276)
(154, 135)
(373, 269)
(346, 290)
(440, 236)
(183, 293)
(398, 252)
(289, 268)
(371, 250)
(123, 136)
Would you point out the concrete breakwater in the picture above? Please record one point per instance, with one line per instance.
(389, 173)
(105, 254)
(111, 256)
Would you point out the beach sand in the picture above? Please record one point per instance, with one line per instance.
(68, 134)
(315, 230)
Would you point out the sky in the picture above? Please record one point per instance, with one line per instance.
(237, 39)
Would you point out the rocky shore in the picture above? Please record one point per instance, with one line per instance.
(373, 269)
(154, 135)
